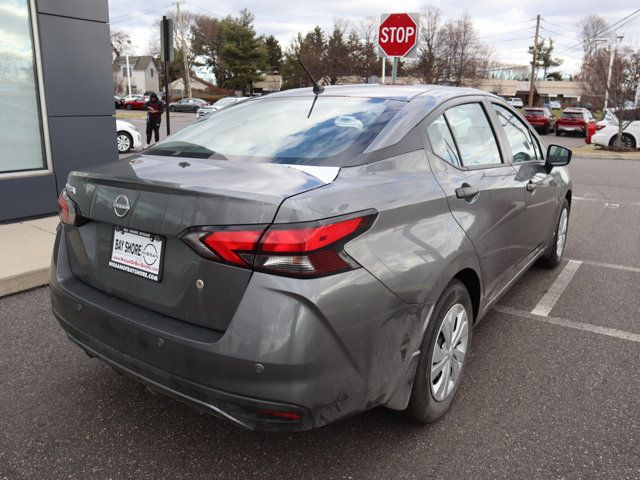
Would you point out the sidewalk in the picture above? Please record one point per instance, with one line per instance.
(25, 254)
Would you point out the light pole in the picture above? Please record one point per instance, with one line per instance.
(128, 70)
(612, 56)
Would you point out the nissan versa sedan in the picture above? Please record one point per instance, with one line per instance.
(333, 261)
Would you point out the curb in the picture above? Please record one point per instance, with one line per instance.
(24, 281)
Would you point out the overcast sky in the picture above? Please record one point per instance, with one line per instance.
(506, 25)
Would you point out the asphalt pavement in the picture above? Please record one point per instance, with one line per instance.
(552, 396)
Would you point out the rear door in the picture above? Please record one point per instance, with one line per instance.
(483, 191)
(541, 188)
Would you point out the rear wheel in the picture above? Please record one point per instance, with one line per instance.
(443, 354)
(627, 141)
(557, 132)
(124, 142)
(553, 257)
(172, 109)
(129, 107)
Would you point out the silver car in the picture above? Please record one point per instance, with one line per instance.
(333, 260)
(225, 102)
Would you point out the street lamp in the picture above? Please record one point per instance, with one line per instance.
(128, 70)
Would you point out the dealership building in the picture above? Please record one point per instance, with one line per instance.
(56, 104)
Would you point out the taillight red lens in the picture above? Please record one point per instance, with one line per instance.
(600, 127)
(234, 246)
(310, 249)
(67, 209)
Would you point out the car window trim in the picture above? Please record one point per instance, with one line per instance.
(534, 136)
(454, 102)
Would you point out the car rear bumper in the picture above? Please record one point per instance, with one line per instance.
(571, 128)
(296, 355)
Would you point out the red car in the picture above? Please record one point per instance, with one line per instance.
(136, 103)
(574, 120)
(540, 118)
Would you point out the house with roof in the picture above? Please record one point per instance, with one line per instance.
(143, 71)
(566, 92)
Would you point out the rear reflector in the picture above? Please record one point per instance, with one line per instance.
(311, 249)
(282, 415)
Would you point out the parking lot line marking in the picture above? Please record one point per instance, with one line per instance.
(610, 265)
(548, 301)
(563, 322)
(606, 203)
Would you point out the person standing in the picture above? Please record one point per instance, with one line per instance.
(155, 109)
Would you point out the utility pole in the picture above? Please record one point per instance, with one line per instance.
(128, 75)
(185, 61)
(612, 56)
(535, 61)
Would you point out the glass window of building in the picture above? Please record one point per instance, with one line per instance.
(21, 138)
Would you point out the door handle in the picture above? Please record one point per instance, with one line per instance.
(467, 192)
(531, 187)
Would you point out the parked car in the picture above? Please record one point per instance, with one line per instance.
(222, 103)
(299, 258)
(553, 105)
(136, 103)
(119, 101)
(574, 120)
(516, 102)
(187, 105)
(607, 128)
(127, 136)
(541, 119)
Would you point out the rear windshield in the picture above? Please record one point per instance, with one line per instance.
(577, 115)
(533, 111)
(290, 130)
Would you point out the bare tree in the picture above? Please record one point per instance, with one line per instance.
(590, 28)
(120, 41)
(621, 85)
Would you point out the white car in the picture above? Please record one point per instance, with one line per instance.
(127, 136)
(515, 102)
(222, 103)
(607, 130)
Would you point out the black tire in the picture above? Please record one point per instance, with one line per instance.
(551, 259)
(557, 132)
(627, 141)
(129, 107)
(195, 109)
(124, 142)
(172, 109)
(423, 406)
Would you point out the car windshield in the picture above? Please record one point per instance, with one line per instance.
(574, 115)
(293, 130)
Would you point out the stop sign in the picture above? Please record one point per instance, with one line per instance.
(398, 34)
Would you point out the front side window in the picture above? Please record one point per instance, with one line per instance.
(519, 137)
(471, 129)
(294, 130)
(442, 142)
(21, 135)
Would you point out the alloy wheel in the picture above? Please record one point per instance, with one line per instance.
(562, 232)
(124, 143)
(449, 352)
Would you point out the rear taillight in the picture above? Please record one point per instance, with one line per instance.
(600, 127)
(312, 249)
(67, 210)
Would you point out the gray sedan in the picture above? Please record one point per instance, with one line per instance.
(303, 257)
(187, 105)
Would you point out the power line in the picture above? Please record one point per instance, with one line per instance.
(128, 16)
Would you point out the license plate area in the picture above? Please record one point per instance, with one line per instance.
(138, 253)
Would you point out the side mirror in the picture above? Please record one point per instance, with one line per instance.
(558, 156)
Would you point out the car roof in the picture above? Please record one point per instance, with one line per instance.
(404, 93)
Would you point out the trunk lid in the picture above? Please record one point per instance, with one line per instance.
(166, 196)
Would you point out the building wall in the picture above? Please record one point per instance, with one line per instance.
(75, 66)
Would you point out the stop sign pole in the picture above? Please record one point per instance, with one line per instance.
(397, 38)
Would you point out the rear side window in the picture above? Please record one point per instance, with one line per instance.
(519, 137)
(442, 142)
(471, 129)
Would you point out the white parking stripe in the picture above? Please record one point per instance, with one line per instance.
(563, 322)
(606, 202)
(546, 303)
(610, 265)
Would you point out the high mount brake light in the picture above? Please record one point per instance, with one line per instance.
(312, 249)
(67, 209)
